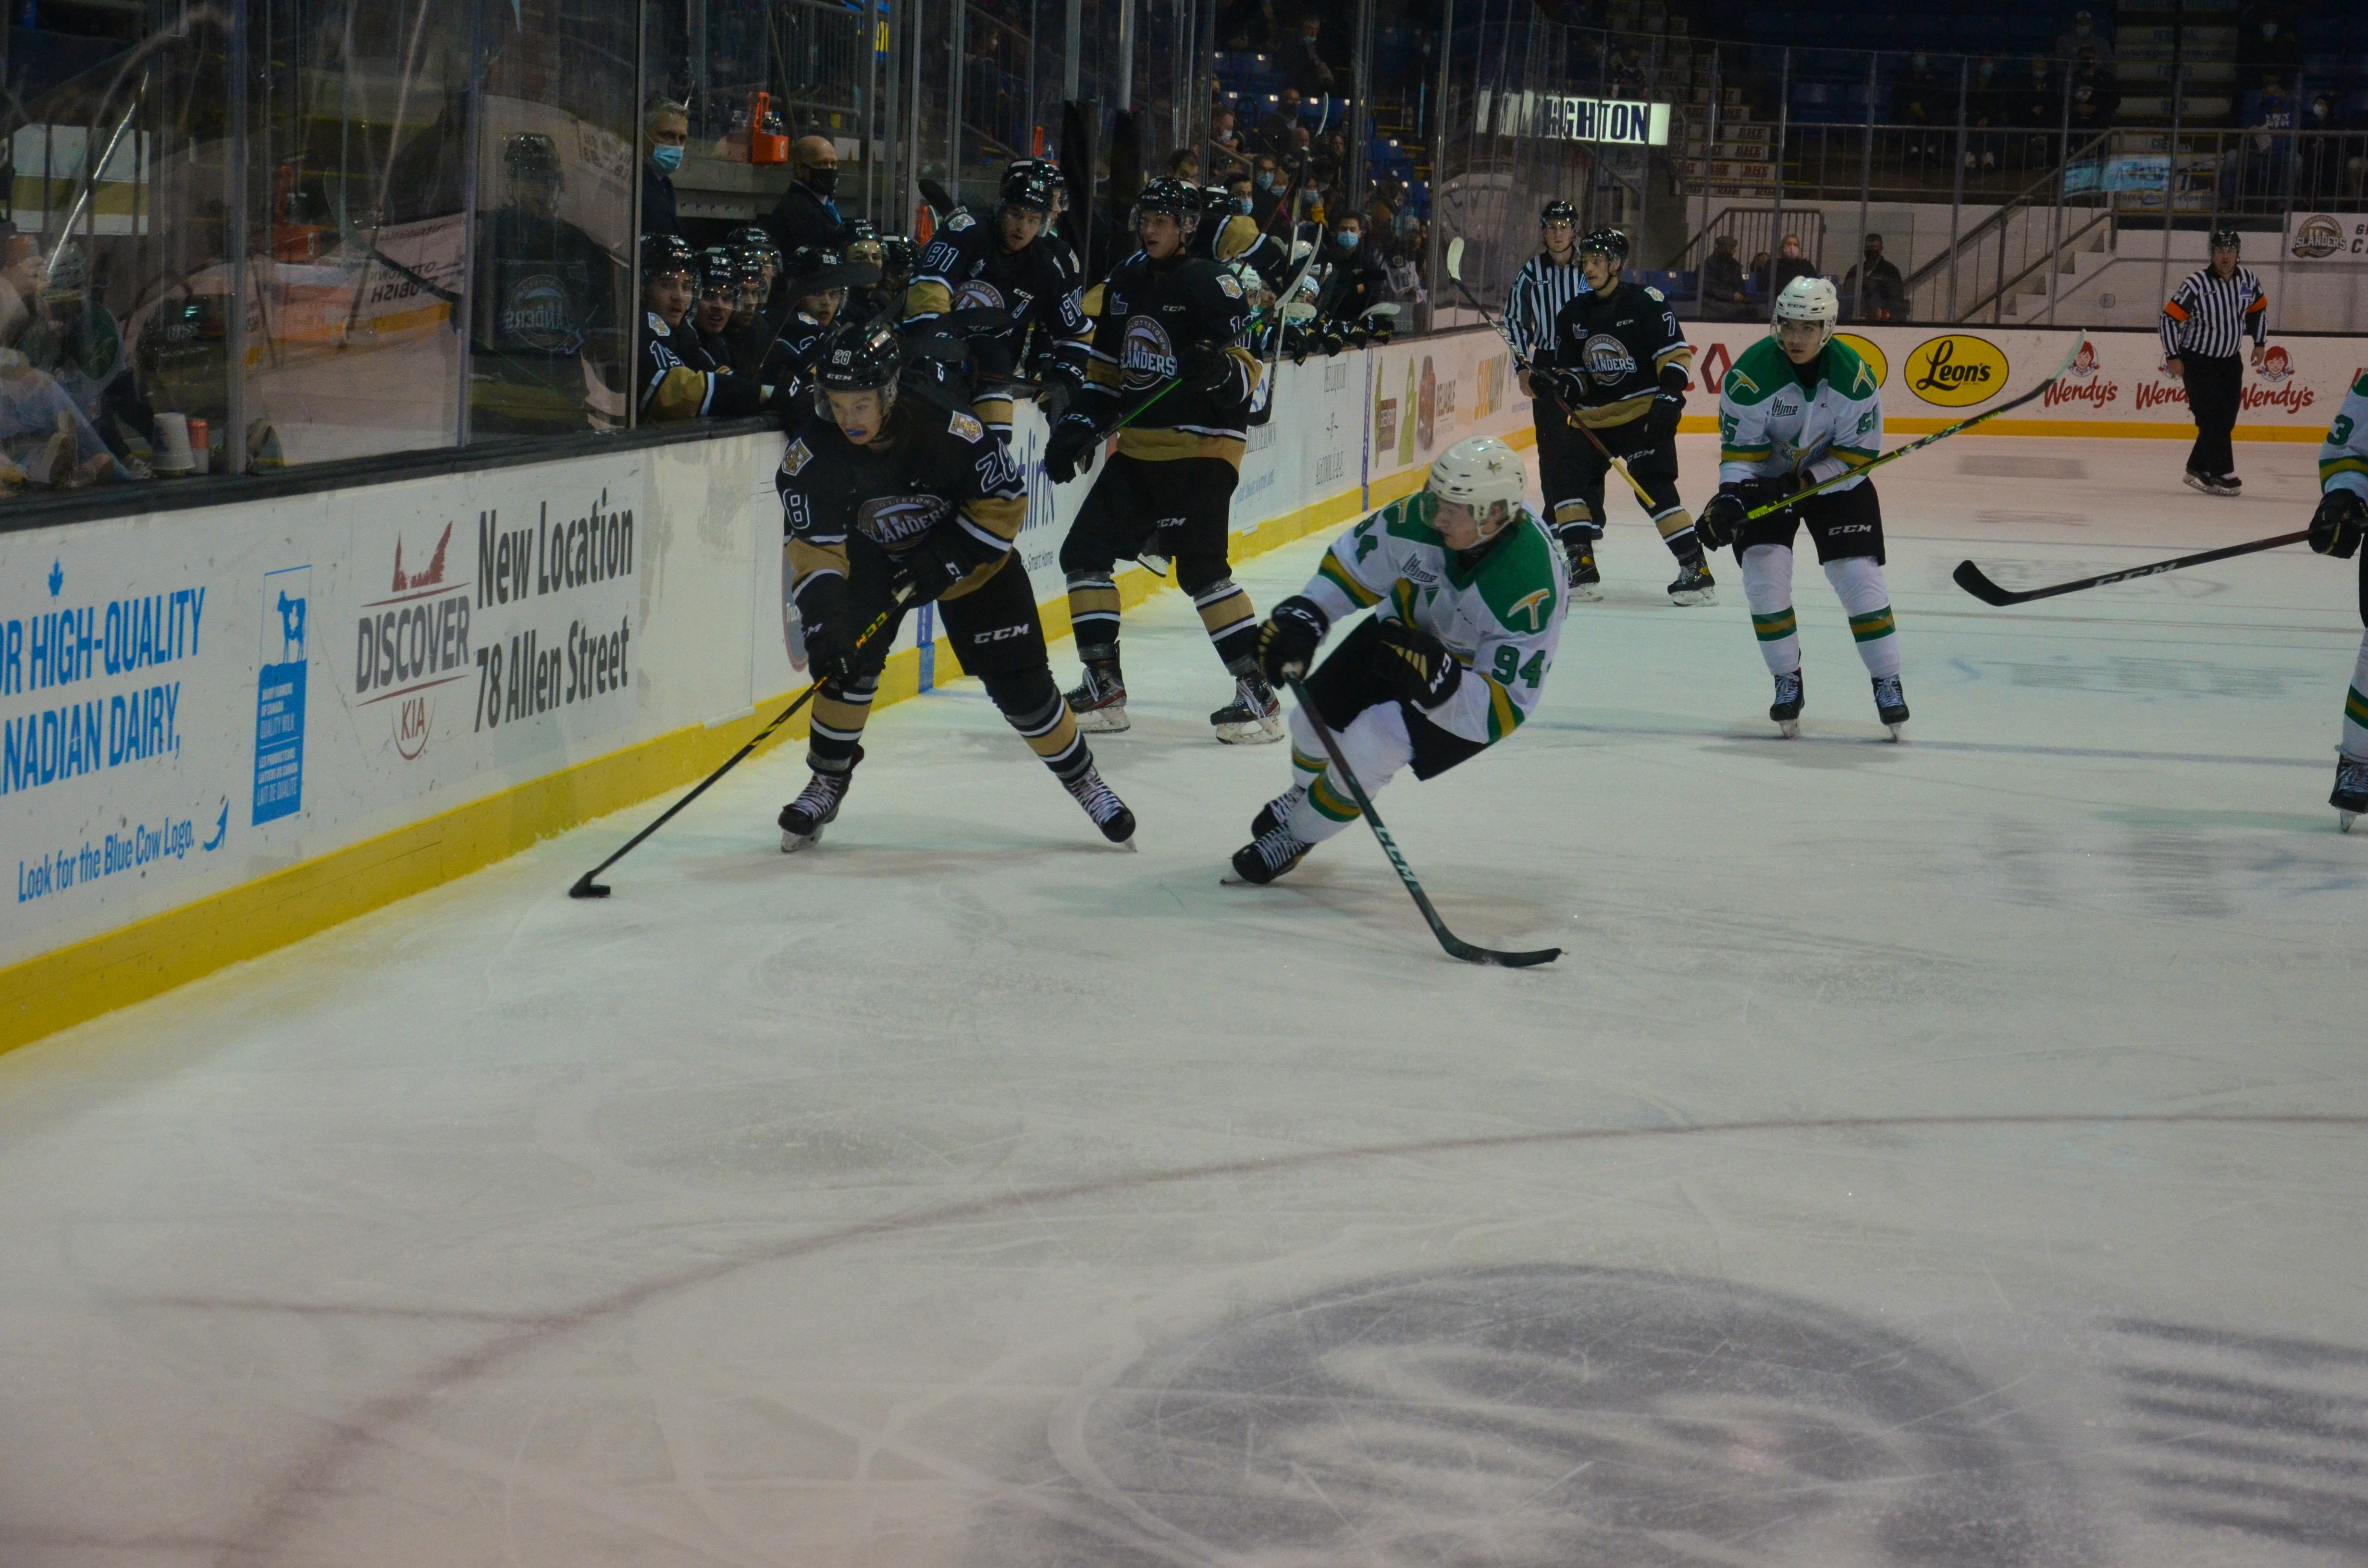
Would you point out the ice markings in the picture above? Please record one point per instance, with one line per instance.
(2193, 676)
(1554, 1415)
(2261, 1435)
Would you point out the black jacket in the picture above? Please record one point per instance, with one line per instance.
(658, 213)
(802, 218)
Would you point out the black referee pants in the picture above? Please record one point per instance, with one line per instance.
(2216, 390)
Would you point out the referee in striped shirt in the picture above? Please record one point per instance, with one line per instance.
(1551, 280)
(2204, 324)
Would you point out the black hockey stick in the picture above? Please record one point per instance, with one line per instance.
(1455, 273)
(584, 887)
(1456, 947)
(1923, 441)
(1970, 578)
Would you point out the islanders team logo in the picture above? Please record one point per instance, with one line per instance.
(894, 520)
(1148, 357)
(2318, 236)
(536, 315)
(1607, 360)
(1957, 371)
(977, 293)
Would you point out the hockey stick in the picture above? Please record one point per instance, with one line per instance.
(1456, 947)
(1970, 578)
(1923, 441)
(584, 887)
(1455, 272)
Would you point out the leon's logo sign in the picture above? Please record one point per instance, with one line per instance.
(1864, 347)
(1956, 371)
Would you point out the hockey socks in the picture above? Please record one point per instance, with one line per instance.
(1230, 621)
(1858, 583)
(1093, 609)
(1031, 704)
(1768, 588)
(840, 710)
(2355, 707)
(1375, 745)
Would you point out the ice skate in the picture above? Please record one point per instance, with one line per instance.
(1277, 811)
(1109, 812)
(804, 819)
(1269, 856)
(1586, 578)
(1891, 703)
(1787, 708)
(2227, 485)
(1098, 702)
(2350, 796)
(2202, 481)
(1694, 585)
(1253, 718)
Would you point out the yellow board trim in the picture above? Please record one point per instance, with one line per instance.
(74, 983)
(2154, 429)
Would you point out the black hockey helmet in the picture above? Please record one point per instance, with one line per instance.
(1028, 191)
(1611, 242)
(859, 357)
(813, 269)
(717, 270)
(1178, 198)
(662, 253)
(2227, 239)
(1558, 212)
(749, 234)
(531, 156)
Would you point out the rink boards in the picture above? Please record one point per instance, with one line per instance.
(223, 729)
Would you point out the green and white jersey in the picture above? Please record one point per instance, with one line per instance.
(2343, 462)
(1770, 423)
(1501, 618)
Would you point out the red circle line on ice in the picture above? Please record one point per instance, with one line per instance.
(286, 1507)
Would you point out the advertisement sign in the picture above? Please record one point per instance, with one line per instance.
(2328, 239)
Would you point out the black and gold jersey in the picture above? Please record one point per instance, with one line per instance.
(939, 473)
(1622, 340)
(1235, 237)
(679, 380)
(970, 268)
(1152, 313)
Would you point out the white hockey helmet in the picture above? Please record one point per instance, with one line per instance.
(1810, 300)
(1484, 473)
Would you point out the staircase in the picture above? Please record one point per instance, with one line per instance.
(2195, 37)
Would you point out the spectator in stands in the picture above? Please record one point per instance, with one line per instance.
(1986, 110)
(1927, 106)
(2267, 153)
(1355, 281)
(1277, 132)
(1791, 264)
(1873, 288)
(2319, 178)
(2267, 36)
(2095, 103)
(1303, 62)
(1247, 25)
(806, 214)
(2039, 111)
(1625, 73)
(2084, 36)
(1225, 151)
(1762, 265)
(1722, 283)
(1185, 165)
(666, 131)
(1267, 190)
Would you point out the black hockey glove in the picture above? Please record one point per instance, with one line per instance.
(1205, 367)
(1759, 493)
(1359, 337)
(1661, 419)
(931, 567)
(1414, 666)
(1070, 447)
(1288, 640)
(1333, 344)
(2336, 527)
(1570, 386)
(1383, 330)
(823, 613)
(1720, 522)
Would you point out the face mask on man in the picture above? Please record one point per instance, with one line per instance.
(1265, 180)
(1347, 238)
(667, 156)
(821, 182)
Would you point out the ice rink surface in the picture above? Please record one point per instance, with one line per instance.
(1940, 1153)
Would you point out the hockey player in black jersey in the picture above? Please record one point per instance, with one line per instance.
(1620, 362)
(1354, 282)
(1007, 264)
(891, 499)
(817, 282)
(1229, 236)
(676, 379)
(1167, 350)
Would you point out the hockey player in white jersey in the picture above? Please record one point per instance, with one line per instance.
(1468, 593)
(2335, 529)
(1798, 409)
